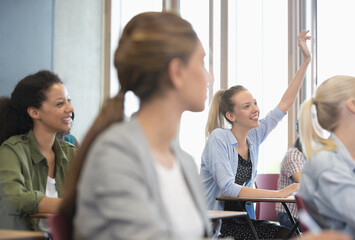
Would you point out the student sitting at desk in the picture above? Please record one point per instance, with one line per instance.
(328, 178)
(290, 172)
(33, 162)
(230, 157)
(131, 180)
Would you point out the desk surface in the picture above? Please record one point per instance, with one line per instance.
(15, 234)
(40, 215)
(256, 199)
(213, 214)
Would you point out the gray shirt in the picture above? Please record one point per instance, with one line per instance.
(328, 184)
(118, 193)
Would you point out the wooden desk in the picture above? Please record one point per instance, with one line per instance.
(256, 199)
(283, 201)
(214, 214)
(40, 215)
(23, 235)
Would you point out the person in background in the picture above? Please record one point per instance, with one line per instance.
(290, 172)
(328, 181)
(33, 163)
(67, 136)
(230, 157)
(131, 180)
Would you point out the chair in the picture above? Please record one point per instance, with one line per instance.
(266, 210)
(60, 228)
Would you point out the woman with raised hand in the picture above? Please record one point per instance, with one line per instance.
(131, 180)
(328, 178)
(33, 163)
(230, 157)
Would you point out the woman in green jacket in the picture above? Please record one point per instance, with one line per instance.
(33, 162)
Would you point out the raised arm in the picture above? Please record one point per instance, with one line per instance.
(291, 92)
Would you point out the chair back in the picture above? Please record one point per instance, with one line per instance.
(60, 228)
(266, 210)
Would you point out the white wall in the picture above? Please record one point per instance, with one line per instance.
(77, 57)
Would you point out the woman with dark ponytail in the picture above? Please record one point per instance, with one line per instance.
(131, 180)
(33, 162)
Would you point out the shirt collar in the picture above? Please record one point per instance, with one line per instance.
(36, 154)
(234, 142)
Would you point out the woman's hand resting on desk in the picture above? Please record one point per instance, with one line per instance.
(287, 191)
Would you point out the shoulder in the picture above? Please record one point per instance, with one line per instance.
(16, 149)
(121, 138)
(219, 134)
(123, 133)
(17, 142)
(321, 161)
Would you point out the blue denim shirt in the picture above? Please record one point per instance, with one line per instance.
(219, 161)
(328, 181)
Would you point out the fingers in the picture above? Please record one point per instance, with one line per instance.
(303, 35)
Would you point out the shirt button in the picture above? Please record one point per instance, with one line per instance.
(24, 138)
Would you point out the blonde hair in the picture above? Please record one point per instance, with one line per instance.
(220, 105)
(326, 100)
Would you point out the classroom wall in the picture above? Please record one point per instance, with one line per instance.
(77, 57)
(26, 40)
(59, 35)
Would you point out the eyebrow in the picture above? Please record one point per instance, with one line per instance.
(254, 100)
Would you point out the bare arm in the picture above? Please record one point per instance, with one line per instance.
(251, 192)
(49, 205)
(290, 94)
(297, 177)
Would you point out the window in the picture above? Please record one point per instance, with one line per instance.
(119, 19)
(257, 58)
(335, 38)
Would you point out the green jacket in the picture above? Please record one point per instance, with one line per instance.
(23, 178)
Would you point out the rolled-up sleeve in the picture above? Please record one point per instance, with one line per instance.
(267, 124)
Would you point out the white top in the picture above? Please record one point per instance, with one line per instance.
(185, 219)
(51, 192)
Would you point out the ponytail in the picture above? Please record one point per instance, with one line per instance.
(309, 135)
(112, 111)
(215, 117)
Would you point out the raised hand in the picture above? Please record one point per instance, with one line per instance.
(302, 44)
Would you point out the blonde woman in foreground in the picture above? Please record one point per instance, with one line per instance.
(328, 177)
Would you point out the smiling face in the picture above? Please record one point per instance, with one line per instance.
(246, 111)
(196, 79)
(55, 113)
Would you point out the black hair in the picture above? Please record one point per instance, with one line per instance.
(29, 92)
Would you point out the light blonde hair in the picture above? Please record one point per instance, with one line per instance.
(327, 101)
(221, 104)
